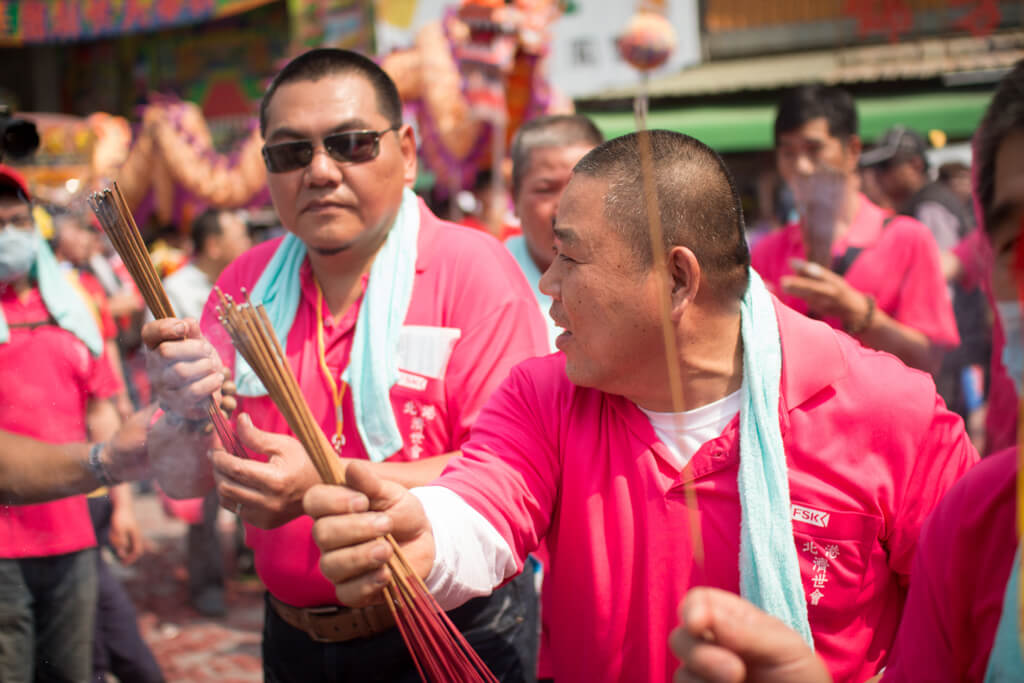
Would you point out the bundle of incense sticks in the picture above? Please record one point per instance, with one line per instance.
(439, 650)
(119, 225)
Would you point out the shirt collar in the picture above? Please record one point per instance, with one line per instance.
(811, 356)
(812, 360)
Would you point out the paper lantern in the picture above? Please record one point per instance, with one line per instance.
(648, 41)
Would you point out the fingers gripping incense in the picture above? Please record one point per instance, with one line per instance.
(438, 649)
(119, 225)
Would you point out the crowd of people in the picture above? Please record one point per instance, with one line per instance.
(626, 443)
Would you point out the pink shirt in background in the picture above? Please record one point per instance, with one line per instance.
(899, 266)
(959, 579)
(870, 449)
(47, 378)
(467, 282)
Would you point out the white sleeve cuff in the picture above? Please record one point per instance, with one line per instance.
(470, 556)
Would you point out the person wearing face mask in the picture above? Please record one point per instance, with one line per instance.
(848, 260)
(962, 620)
(56, 385)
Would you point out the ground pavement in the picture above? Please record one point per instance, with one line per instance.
(189, 647)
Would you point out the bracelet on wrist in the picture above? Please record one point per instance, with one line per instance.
(864, 323)
(97, 468)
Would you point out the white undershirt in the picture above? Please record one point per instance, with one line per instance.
(684, 433)
(471, 557)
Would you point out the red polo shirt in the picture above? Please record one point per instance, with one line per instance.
(47, 378)
(899, 266)
(960, 572)
(472, 316)
(870, 449)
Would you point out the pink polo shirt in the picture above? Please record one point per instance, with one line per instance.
(899, 266)
(870, 450)
(959, 579)
(468, 289)
(47, 378)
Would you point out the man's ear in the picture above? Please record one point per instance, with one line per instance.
(407, 143)
(685, 273)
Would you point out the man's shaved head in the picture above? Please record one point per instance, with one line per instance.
(697, 201)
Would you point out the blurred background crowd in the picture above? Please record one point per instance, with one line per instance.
(162, 97)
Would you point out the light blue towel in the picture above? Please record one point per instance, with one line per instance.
(769, 568)
(373, 362)
(1005, 663)
(63, 302)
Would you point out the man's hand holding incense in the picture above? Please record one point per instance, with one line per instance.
(266, 493)
(350, 522)
(722, 638)
(184, 371)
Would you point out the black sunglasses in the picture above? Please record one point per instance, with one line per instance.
(353, 146)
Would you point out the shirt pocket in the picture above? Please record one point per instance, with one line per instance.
(840, 558)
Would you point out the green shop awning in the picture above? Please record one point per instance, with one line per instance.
(748, 128)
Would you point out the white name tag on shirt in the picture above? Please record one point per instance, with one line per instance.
(411, 381)
(426, 350)
(810, 516)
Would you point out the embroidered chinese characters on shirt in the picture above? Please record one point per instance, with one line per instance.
(420, 415)
(820, 559)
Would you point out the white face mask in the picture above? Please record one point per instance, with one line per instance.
(1010, 318)
(17, 252)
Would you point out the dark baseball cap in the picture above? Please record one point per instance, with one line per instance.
(899, 143)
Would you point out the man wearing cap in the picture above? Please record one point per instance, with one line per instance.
(900, 164)
(847, 260)
(901, 167)
(55, 385)
(398, 327)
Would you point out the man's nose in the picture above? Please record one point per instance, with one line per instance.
(550, 283)
(323, 169)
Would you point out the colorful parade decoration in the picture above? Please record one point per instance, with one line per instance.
(478, 70)
(173, 167)
(646, 44)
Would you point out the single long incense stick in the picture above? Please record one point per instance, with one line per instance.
(660, 265)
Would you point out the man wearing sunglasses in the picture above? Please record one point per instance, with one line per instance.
(398, 327)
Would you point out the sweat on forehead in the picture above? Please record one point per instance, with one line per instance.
(325, 62)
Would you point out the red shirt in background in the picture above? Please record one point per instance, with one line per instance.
(507, 230)
(870, 448)
(92, 286)
(959, 578)
(467, 289)
(47, 379)
(899, 266)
